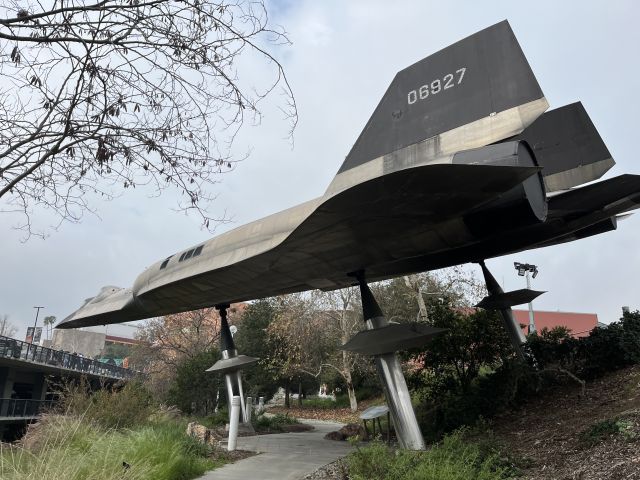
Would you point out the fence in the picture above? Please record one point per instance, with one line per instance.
(17, 407)
(16, 349)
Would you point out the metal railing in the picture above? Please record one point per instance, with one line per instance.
(18, 407)
(16, 349)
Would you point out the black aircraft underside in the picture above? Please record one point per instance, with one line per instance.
(458, 163)
(350, 232)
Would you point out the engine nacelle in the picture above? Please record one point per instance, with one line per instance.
(523, 205)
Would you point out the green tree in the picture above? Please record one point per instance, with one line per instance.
(116, 350)
(472, 340)
(48, 325)
(193, 389)
(251, 339)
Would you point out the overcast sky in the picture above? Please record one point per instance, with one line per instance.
(343, 57)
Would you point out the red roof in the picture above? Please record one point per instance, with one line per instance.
(124, 340)
(580, 324)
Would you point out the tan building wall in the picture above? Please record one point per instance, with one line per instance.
(89, 344)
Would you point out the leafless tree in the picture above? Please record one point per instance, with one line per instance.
(308, 331)
(7, 329)
(97, 96)
(297, 342)
(339, 310)
(166, 341)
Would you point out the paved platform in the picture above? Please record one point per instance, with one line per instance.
(284, 456)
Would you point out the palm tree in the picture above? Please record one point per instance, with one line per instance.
(48, 323)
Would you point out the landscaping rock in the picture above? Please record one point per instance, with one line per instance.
(203, 434)
(349, 430)
(334, 436)
(352, 430)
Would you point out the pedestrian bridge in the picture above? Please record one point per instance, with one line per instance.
(26, 368)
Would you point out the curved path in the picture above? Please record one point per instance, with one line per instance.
(284, 456)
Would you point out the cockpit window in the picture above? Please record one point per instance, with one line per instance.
(194, 252)
(164, 264)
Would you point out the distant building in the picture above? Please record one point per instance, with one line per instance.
(88, 344)
(91, 341)
(579, 324)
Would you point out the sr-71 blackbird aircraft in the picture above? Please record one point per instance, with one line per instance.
(458, 163)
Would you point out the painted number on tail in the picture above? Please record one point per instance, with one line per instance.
(436, 86)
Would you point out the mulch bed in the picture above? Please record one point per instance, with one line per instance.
(548, 431)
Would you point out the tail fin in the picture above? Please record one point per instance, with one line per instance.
(477, 91)
(568, 146)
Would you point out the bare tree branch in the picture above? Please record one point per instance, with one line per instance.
(99, 97)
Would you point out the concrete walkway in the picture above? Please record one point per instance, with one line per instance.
(284, 456)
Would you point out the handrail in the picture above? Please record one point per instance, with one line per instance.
(19, 350)
(19, 407)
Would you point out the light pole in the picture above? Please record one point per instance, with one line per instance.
(524, 269)
(33, 335)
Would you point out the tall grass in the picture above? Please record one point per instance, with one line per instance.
(75, 448)
(120, 406)
(453, 459)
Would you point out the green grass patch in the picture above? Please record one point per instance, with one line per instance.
(72, 448)
(452, 459)
(600, 431)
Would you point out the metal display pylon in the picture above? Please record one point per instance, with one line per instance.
(390, 372)
(231, 364)
(503, 301)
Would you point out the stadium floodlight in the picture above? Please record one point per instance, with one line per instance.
(526, 268)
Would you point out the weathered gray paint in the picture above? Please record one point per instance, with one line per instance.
(405, 201)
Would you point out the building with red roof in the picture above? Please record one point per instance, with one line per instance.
(580, 324)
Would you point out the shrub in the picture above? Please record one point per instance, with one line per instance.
(555, 346)
(605, 349)
(221, 417)
(275, 423)
(602, 430)
(487, 395)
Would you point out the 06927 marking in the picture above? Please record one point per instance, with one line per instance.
(436, 86)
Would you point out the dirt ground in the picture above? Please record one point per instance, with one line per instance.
(549, 432)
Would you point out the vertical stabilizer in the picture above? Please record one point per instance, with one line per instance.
(477, 91)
